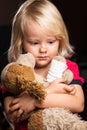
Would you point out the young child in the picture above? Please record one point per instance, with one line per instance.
(38, 28)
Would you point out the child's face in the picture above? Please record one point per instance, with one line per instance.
(40, 43)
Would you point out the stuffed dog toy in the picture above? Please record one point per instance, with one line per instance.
(20, 76)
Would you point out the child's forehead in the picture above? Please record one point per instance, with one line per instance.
(34, 26)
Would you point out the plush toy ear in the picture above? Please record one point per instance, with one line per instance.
(26, 59)
(4, 71)
(60, 58)
(67, 74)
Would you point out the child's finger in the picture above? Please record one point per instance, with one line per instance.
(14, 108)
(71, 89)
(73, 92)
(20, 112)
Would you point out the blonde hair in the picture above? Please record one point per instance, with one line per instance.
(46, 15)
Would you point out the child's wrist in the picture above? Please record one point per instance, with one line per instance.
(37, 104)
(48, 91)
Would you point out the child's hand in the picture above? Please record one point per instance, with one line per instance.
(11, 116)
(60, 86)
(23, 104)
(71, 89)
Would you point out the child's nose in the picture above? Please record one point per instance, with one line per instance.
(43, 48)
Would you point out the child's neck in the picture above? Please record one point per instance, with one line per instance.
(42, 71)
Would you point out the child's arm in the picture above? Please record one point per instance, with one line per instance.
(57, 96)
(73, 102)
(55, 87)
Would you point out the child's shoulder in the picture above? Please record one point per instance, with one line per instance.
(71, 64)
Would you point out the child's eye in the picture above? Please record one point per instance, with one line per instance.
(34, 43)
(51, 42)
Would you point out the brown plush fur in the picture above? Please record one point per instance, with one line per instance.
(21, 78)
(18, 75)
(35, 121)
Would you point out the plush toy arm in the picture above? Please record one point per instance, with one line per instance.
(58, 69)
